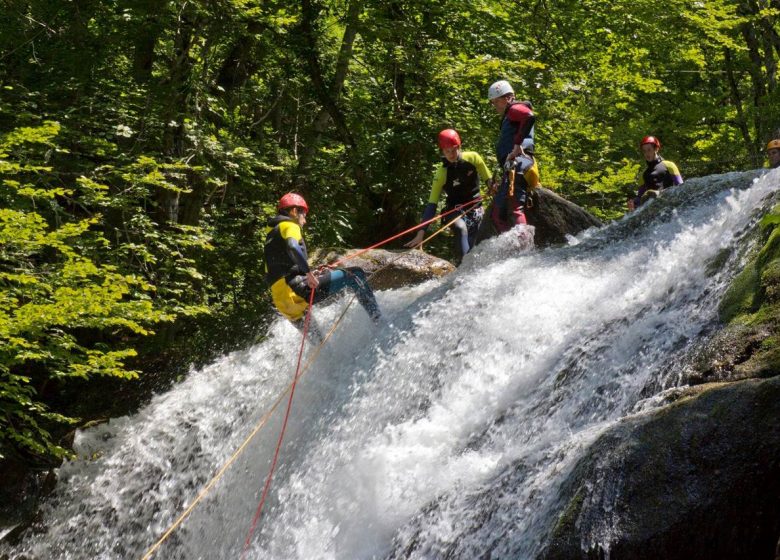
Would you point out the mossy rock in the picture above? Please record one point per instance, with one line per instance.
(699, 478)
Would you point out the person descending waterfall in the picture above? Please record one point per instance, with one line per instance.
(288, 272)
(659, 174)
(459, 176)
(515, 152)
(773, 153)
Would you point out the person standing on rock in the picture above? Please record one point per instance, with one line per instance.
(288, 272)
(460, 176)
(659, 174)
(773, 153)
(515, 153)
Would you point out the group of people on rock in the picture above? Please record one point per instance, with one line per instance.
(461, 175)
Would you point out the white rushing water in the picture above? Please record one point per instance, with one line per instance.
(445, 432)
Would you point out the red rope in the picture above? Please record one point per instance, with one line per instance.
(411, 229)
(267, 486)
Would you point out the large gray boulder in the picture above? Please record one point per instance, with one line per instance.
(388, 269)
(699, 478)
(553, 216)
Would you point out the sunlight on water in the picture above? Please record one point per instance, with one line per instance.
(445, 431)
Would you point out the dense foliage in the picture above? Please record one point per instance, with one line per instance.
(144, 142)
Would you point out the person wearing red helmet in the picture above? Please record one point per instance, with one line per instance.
(288, 272)
(459, 177)
(658, 175)
(773, 153)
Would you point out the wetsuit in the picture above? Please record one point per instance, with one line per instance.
(659, 175)
(286, 265)
(461, 181)
(517, 127)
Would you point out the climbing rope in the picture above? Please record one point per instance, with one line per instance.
(461, 207)
(290, 388)
(267, 485)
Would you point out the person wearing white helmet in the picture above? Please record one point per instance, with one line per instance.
(514, 149)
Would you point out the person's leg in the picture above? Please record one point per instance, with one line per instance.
(473, 220)
(498, 214)
(517, 204)
(461, 231)
(353, 278)
(314, 332)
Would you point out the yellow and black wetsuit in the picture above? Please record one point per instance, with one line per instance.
(285, 258)
(286, 267)
(659, 174)
(461, 180)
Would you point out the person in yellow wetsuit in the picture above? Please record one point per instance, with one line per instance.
(288, 272)
(459, 176)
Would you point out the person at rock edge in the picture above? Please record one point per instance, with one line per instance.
(459, 177)
(288, 272)
(514, 149)
(773, 153)
(658, 175)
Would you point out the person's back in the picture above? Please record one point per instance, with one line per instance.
(287, 269)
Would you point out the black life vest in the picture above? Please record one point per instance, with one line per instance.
(278, 263)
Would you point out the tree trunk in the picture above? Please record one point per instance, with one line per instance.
(175, 109)
(328, 95)
(736, 100)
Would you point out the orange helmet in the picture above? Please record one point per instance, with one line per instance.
(773, 144)
(449, 138)
(651, 140)
(292, 200)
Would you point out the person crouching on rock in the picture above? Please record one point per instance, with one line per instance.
(659, 174)
(288, 272)
(459, 176)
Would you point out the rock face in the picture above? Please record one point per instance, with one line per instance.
(553, 217)
(19, 493)
(389, 269)
(699, 478)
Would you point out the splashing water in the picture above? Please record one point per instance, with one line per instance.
(445, 432)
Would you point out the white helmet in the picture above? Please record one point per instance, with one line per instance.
(499, 89)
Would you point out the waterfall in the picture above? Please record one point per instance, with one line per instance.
(447, 430)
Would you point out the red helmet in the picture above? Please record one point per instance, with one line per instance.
(293, 200)
(449, 138)
(651, 140)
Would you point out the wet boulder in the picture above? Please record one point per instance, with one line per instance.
(21, 488)
(553, 216)
(388, 269)
(699, 478)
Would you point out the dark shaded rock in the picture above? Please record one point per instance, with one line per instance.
(553, 216)
(699, 478)
(389, 269)
(736, 352)
(21, 488)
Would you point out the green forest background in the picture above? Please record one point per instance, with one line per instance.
(143, 144)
